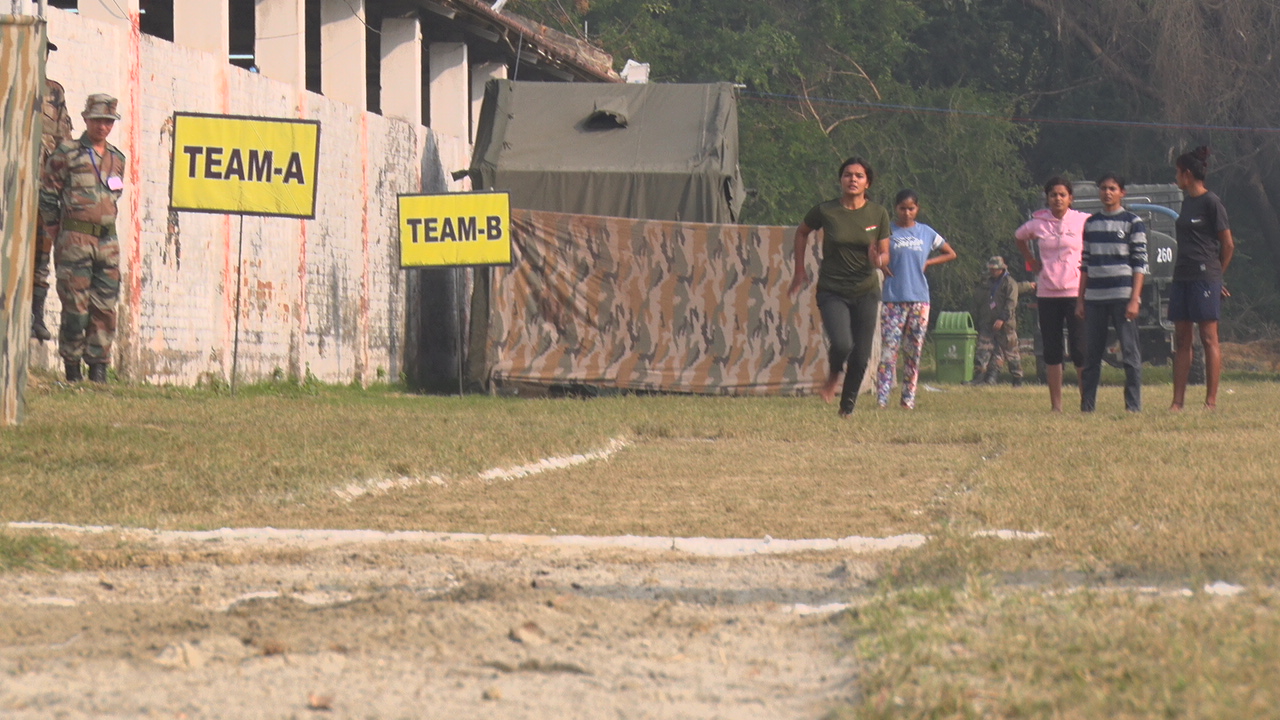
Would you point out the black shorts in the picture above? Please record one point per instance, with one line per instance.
(1195, 301)
(1055, 314)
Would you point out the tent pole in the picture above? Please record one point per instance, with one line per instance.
(235, 345)
(458, 278)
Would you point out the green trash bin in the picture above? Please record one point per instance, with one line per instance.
(954, 343)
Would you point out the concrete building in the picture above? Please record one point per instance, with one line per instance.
(396, 86)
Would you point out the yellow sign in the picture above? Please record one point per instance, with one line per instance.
(244, 165)
(455, 229)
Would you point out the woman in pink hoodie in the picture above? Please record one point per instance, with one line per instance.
(1058, 232)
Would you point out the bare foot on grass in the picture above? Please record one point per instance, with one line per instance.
(828, 389)
(1175, 407)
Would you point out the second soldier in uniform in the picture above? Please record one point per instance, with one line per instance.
(996, 300)
(83, 179)
(55, 128)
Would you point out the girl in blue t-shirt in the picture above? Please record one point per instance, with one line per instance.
(905, 308)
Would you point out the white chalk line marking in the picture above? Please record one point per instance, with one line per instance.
(698, 546)
(382, 486)
(553, 463)
(829, 609)
(1011, 534)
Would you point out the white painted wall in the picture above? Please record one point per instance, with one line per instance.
(202, 25)
(480, 75)
(342, 51)
(401, 48)
(325, 296)
(280, 45)
(450, 88)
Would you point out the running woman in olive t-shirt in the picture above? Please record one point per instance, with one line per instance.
(855, 243)
(1205, 247)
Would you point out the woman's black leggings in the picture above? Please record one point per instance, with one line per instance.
(1056, 313)
(850, 324)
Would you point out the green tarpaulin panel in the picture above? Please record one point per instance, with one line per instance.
(645, 151)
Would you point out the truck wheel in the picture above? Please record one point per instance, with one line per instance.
(1157, 352)
(1197, 365)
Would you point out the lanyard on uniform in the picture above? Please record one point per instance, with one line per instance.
(995, 287)
(93, 159)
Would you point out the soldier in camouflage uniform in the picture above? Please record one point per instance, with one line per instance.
(996, 301)
(56, 128)
(82, 181)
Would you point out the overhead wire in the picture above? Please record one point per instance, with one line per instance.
(122, 14)
(1024, 119)
(359, 17)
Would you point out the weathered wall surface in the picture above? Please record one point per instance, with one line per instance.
(323, 296)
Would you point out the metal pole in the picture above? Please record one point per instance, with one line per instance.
(235, 345)
(458, 279)
(515, 72)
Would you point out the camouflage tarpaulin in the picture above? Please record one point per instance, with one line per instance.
(21, 89)
(650, 305)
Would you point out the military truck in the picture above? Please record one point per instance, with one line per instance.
(1158, 206)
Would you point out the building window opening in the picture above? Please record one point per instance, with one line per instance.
(373, 57)
(242, 28)
(314, 65)
(155, 18)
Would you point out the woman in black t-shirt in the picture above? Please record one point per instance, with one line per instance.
(1205, 247)
(855, 243)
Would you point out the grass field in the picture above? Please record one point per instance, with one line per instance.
(1102, 616)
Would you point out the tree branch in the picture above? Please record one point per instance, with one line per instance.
(861, 72)
(1109, 63)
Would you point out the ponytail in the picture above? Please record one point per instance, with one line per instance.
(1195, 162)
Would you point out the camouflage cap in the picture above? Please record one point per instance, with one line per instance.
(100, 105)
(995, 261)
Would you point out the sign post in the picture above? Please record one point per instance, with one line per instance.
(239, 165)
(456, 230)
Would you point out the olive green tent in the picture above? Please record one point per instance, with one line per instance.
(645, 151)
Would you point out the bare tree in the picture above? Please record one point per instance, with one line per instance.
(1205, 62)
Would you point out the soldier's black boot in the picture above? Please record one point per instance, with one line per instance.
(38, 329)
(73, 370)
(97, 372)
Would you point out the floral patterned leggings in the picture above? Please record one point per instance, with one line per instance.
(901, 324)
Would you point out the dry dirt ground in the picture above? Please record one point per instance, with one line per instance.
(425, 630)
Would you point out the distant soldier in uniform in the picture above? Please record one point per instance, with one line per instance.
(82, 181)
(997, 319)
(56, 128)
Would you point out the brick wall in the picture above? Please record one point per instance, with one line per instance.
(324, 296)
